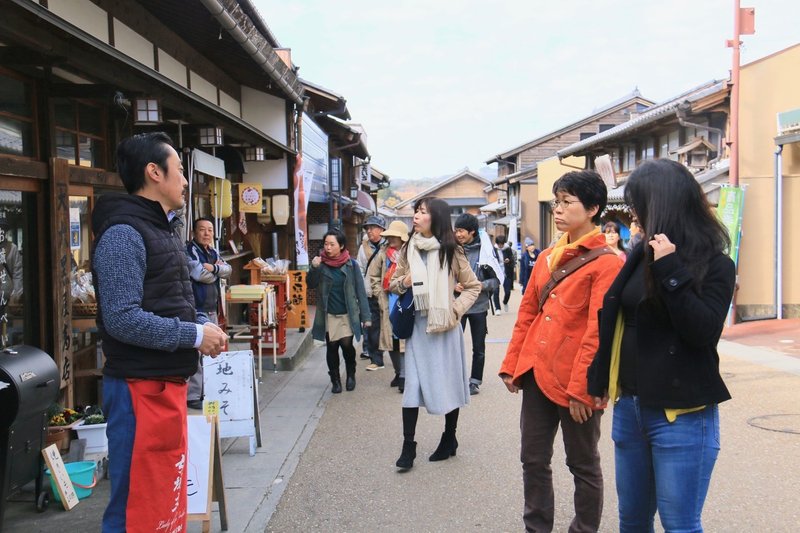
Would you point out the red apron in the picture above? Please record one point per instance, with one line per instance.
(157, 497)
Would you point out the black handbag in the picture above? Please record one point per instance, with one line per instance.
(402, 315)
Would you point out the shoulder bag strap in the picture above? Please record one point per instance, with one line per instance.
(568, 268)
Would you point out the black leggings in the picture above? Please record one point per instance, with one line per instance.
(410, 415)
(348, 352)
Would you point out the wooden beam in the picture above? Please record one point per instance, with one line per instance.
(20, 55)
(12, 166)
(87, 176)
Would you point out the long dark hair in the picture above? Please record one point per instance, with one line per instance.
(667, 199)
(441, 228)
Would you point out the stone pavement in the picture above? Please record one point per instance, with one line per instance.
(346, 479)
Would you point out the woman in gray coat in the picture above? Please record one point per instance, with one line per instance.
(342, 308)
(431, 264)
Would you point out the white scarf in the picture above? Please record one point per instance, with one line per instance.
(430, 283)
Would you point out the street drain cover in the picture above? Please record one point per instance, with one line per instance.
(781, 423)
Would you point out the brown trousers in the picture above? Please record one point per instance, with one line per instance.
(539, 421)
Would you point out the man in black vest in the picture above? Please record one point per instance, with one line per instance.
(151, 335)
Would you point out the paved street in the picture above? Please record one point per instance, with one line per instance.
(346, 479)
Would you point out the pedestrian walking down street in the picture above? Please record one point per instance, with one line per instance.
(466, 234)
(367, 254)
(505, 256)
(657, 360)
(379, 275)
(342, 306)
(431, 264)
(206, 269)
(553, 343)
(529, 255)
(612, 230)
(151, 334)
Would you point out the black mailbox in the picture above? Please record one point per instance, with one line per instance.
(29, 384)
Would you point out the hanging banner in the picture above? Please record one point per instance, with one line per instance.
(300, 225)
(250, 198)
(729, 212)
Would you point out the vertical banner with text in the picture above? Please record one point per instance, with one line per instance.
(300, 206)
(729, 212)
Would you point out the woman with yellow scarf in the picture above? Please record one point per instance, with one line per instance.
(554, 341)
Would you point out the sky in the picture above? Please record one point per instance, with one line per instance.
(440, 85)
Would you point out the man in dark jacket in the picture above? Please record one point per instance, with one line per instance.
(206, 269)
(466, 233)
(151, 334)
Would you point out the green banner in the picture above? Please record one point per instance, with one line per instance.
(729, 211)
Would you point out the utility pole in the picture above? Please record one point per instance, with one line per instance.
(743, 24)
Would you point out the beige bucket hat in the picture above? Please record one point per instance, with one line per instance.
(397, 228)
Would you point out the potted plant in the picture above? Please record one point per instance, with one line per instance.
(93, 429)
(61, 420)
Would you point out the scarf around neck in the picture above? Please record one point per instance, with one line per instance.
(337, 261)
(430, 282)
(391, 262)
(556, 257)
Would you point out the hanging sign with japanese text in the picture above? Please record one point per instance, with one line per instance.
(297, 313)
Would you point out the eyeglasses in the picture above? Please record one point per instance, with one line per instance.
(554, 203)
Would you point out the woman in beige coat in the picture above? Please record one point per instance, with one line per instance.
(433, 266)
(379, 275)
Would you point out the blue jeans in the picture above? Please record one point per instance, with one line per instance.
(662, 465)
(121, 430)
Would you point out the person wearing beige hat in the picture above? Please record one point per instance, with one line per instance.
(378, 277)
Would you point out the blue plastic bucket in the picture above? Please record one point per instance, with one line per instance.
(82, 475)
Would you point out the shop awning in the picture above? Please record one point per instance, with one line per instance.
(366, 202)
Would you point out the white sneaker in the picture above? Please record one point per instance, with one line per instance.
(373, 366)
(498, 312)
(505, 308)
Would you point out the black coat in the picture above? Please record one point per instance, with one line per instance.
(678, 363)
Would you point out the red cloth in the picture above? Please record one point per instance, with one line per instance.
(391, 255)
(157, 497)
(337, 261)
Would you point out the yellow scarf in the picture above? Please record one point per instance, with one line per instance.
(563, 244)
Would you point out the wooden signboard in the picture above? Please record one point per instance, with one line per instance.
(204, 483)
(59, 474)
(231, 394)
(297, 313)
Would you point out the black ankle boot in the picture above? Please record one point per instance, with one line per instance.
(407, 456)
(350, 383)
(336, 383)
(446, 449)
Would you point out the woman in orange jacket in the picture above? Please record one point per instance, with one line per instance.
(551, 349)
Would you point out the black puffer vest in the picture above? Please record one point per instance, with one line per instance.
(167, 290)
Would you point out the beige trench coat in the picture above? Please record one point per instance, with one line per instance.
(375, 274)
(462, 273)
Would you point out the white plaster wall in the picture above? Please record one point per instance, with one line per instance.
(83, 14)
(265, 112)
(230, 104)
(203, 87)
(171, 68)
(272, 174)
(132, 44)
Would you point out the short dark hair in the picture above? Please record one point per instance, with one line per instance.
(202, 219)
(136, 152)
(500, 239)
(467, 222)
(340, 237)
(588, 186)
